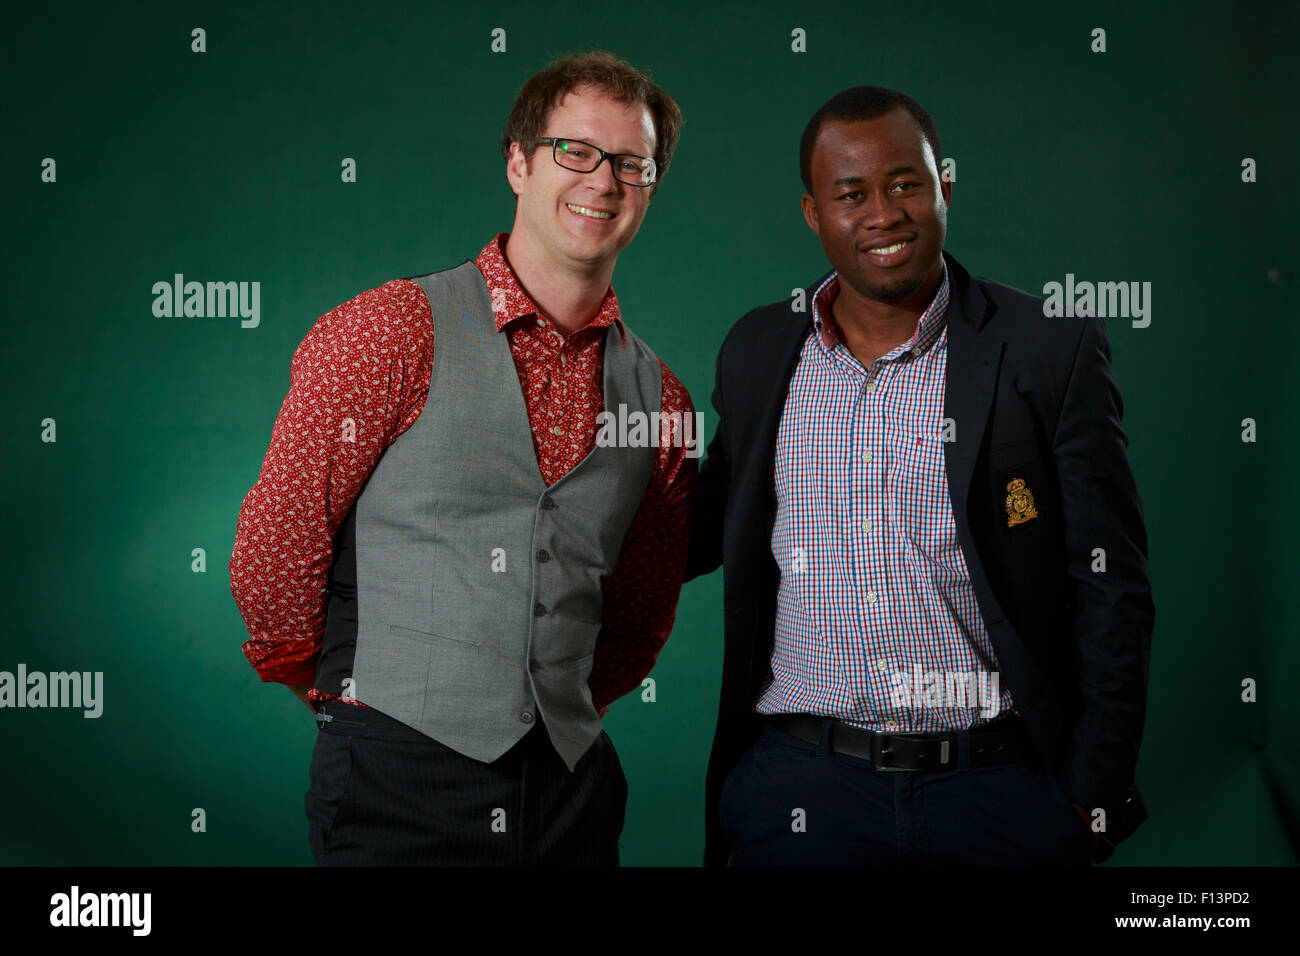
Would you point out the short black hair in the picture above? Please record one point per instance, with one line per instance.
(864, 103)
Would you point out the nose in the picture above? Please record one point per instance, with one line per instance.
(603, 175)
(882, 211)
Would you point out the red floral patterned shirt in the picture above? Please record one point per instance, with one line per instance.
(370, 360)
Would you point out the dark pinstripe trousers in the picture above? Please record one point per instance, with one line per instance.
(382, 793)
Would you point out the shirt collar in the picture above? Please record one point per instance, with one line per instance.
(927, 327)
(510, 302)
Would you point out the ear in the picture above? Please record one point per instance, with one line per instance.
(516, 168)
(945, 187)
(809, 208)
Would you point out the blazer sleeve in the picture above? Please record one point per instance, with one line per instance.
(711, 490)
(1112, 613)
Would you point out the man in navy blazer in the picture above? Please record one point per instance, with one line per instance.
(1036, 531)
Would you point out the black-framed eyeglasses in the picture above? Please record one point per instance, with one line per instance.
(585, 158)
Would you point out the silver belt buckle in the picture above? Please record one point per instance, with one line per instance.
(943, 760)
(882, 754)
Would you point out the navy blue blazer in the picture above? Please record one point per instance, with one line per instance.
(1031, 397)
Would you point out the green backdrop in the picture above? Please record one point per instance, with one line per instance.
(224, 165)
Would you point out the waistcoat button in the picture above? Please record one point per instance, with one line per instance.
(539, 609)
(526, 717)
(548, 503)
(534, 666)
(543, 555)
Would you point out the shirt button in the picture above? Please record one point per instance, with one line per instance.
(539, 609)
(541, 321)
(543, 555)
(526, 717)
(916, 352)
(882, 664)
(871, 597)
(557, 430)
(866, 525)
(890, 725)
(866, 457)
(871, 386)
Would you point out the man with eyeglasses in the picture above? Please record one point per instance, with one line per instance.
(496, 576)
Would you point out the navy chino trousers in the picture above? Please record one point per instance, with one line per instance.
(788, 802)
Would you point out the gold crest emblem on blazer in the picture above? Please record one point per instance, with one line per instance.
(1020, 503)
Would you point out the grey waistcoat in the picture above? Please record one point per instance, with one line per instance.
(479, 588)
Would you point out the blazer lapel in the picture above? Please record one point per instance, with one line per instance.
(785, 346)
(974, 358)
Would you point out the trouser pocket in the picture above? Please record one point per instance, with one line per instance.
(329, 777)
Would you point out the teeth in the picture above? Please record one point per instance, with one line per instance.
(592, 213)
(889, 250)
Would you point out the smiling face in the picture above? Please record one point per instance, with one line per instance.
(582, 219)
(878, 205)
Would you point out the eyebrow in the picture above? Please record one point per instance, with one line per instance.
(896, 171)
(615, 152)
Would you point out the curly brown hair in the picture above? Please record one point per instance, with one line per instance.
(611, 75)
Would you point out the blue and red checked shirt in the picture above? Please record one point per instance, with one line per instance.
(876, 620)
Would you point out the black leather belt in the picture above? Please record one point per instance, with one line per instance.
(1004, 740)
